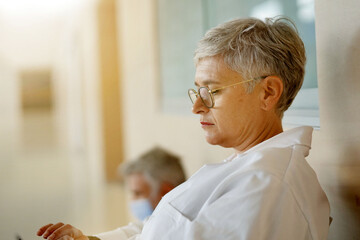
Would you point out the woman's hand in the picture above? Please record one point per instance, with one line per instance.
(61, 231)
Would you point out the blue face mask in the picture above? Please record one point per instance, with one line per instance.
(141, 208)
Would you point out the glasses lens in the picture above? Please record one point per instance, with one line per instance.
(192, 95)
(206, 97)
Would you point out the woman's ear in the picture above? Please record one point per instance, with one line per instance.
(272, 88)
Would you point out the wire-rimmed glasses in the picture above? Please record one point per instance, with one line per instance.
(206, 94)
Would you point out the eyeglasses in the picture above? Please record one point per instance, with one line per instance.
(207, 96)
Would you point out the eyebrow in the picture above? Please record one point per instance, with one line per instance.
(207, 82)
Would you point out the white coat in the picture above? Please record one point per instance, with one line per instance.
(268, 192)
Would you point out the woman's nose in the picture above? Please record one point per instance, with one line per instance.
(199, 106)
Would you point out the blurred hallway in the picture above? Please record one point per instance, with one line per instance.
(51, 143)
(42, 183)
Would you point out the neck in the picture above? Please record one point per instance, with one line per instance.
(267, 131)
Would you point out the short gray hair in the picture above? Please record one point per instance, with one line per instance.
(255, 48)
(158, 165)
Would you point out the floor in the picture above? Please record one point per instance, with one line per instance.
(41, 183)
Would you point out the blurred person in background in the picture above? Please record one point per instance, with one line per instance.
(248, 72)
(148, 179)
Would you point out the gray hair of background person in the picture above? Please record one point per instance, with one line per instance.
(255, 48)
(158, 166)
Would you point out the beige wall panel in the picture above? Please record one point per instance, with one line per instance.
(110, 88)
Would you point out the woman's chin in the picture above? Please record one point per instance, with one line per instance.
(212, 140)
(218, 141)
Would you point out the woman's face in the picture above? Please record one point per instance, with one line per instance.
(236, 116)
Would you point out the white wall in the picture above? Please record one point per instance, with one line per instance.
(61, 36)
(9, 112)
(34, 35)
(31, 31)
(27, 41)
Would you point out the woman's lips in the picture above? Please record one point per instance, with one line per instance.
(206, 124)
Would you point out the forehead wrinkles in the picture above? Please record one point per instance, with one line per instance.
(209, 71)
(214, 70)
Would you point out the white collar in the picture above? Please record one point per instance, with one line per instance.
(295, 136)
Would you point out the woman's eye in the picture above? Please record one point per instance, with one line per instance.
(215, 92)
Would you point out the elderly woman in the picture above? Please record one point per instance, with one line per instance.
(248, 72)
